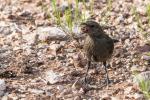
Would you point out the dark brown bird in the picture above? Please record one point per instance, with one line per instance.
(98, 46)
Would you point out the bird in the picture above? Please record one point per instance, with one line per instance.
(98, 46)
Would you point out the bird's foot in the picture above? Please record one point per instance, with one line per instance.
(108, 66)
(88, 79)
(96, 71)
(108, 82)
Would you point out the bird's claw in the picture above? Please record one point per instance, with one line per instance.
(85, 80)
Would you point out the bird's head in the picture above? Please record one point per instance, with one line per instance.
(90, 28)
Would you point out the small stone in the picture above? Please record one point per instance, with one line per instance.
(2, 87)
(142, 77)
(141, 10)
(51, 57)
(36, 91)
(81, 91)
(77, 98)
(52, 77)
(70, 50)
(13, 96)
(63, 43)
(115, 98)
(60, 87)
(50, 33)
(134, 68)
(39, 22)
(138, 96)
(145, 57)
(106, 97)
(5, 97)
(119, 20)
(128, 90)
(31, 38)
(65, 92)
(55, 47)
(116, 73)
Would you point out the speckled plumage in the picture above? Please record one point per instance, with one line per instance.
(98, 49)
(98, 46)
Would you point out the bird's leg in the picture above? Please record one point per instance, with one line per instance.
(107, 78)
(87, 69)
(96, 69)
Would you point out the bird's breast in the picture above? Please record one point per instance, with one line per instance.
(97, 50)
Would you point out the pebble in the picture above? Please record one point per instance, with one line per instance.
(13, 96)
(60, 88)
(52, 77)
(31, 38)
(145, 57)
(145, 75)
(50, 33)
(71, 50)
(2, 87)
(36, 91)
(134, 68)
(128, 90)
(115, 98)
(142, 77)
(51, 57)
(138, 96)
(55, 47)
(77, 98)
(65, 92)
(106, 97)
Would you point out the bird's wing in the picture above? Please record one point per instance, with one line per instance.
(105, 44)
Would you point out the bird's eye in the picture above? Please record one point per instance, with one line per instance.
(92, 26)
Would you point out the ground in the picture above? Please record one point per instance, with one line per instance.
(35, 66)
